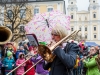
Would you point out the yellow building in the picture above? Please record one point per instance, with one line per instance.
(35, 6)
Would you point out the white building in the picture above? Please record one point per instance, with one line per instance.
(87, 21)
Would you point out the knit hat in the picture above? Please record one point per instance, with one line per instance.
(42, 43)
(9, 53)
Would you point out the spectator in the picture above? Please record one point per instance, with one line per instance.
(29, 64)
(23, 40)
(21, 50)
(19, 61)
(8, 62)
(9, 47)
(26, 48)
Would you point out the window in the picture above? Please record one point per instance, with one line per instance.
(50, 9)
(10, 14)
(94, 15)
(71, 16)
(94, 28)
(95, 36)
(93, 1)
(22, 28)
(85, 18)
(71, 2)
(86, 36)
(22, 13)
(72, 29)
(85, 28)
(79, 19)
(80, 28)
(36, 10)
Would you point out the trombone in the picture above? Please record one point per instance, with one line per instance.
(21, 64)
(46, 53)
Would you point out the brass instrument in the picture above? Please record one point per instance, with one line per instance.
(19, 65)
(5, 35)
(33, 66)
(46, 53)
(25, 56)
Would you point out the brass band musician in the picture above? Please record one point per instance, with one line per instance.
(65, 54)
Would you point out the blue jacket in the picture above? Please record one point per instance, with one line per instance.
(64, 60)
(18, 52)
(8, 63)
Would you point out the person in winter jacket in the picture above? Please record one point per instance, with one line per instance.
(19, 61)
(21, 50)
(29, 63)
(90, 63)
(66, 54)
(39, 66)
(8, 63)
(10, 47)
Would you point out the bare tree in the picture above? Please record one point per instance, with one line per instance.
(16, 14)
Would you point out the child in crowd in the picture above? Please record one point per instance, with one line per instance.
(20, 50)
(8, 63)
(19, 61)
(29, 63)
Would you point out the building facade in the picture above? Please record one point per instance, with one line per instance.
(86, 21)
(35, 6)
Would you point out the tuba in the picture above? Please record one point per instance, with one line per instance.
(5, 35)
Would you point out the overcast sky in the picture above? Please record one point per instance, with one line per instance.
(81, 4)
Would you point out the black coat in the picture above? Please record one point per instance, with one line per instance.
(64, 61)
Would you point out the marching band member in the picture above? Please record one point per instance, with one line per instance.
(90, 62)
(65, 54)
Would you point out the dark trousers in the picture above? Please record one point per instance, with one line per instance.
(3, 71)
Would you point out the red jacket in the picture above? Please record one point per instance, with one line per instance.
(28, 65)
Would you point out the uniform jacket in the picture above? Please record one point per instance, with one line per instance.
(92, 68)
(20, 70)
(64, 61)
